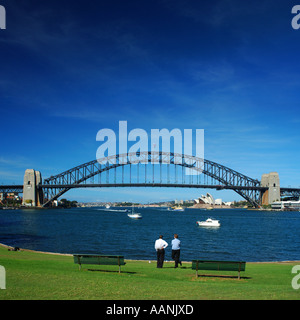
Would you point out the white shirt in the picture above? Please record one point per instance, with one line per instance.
(160, 244)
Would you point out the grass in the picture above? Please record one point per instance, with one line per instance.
(39, 276)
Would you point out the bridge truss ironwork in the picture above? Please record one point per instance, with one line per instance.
(11, 188)
(152, 169)
(290, 192)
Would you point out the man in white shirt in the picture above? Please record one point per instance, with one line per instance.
(160, 246)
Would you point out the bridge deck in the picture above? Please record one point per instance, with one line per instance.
(11, 188)
(162, 185)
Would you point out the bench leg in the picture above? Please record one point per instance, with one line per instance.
(239, 271)
(119, 264)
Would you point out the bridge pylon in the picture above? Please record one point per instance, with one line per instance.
(32, 196)
(270, 181)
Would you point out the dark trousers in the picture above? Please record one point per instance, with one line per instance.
(176, 257)
(160, 257)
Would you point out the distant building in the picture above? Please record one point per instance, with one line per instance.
(189, 201)
(286, 205)
(13, 196)
(218, 202)
(208, 199)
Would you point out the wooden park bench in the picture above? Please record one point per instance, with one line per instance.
(219, 265)
(99, 259)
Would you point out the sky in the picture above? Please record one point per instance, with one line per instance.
(71, 68)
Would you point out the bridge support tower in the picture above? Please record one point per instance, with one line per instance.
(270, 181)
(32, 196)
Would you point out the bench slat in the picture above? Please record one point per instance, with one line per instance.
(99, 260)
(219, 265)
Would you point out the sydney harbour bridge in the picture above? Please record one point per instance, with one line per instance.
(150, 169)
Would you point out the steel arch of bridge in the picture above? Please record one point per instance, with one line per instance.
(57, 185)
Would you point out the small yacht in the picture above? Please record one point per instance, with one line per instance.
(134, 215)
(209, 223)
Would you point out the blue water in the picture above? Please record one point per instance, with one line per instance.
(243, 235)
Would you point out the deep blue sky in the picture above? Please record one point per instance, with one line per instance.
(71, 68)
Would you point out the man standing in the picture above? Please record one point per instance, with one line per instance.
(176, 250)
(160, 246)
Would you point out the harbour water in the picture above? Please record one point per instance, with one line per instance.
(243, 235)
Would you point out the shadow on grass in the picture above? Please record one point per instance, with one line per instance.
(221, 276)
(113, 271)
(169, 267)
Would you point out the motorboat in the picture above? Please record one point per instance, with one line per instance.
(209, 223)
(116, 210)
(134, 215)
(113, 210)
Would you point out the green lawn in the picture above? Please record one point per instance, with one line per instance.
(38, 276)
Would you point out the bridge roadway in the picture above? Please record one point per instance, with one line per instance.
(19, 188)
(289, 189)
(150, 184)
(11, 188)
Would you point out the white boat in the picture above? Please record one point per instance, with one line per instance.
(113, 210)
(134, 215)
(116, 210)
(209, 223)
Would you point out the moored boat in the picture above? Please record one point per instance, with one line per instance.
(209, 223)
(134, 215)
